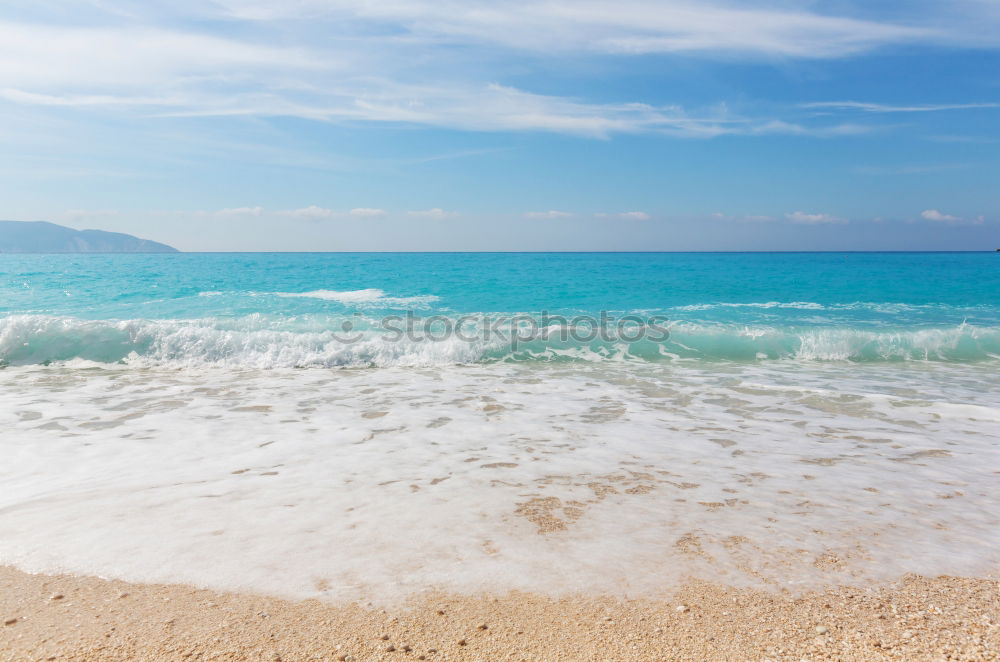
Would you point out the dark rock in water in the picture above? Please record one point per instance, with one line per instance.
(43, 237)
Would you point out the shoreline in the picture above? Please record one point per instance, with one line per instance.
(83, 619)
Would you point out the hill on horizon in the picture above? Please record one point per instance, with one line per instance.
(45, 237)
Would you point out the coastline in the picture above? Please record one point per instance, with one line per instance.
(83, 619)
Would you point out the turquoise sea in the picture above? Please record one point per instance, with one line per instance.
(347, 426)
(289, 310)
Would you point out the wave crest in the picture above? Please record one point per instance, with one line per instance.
(258, 341)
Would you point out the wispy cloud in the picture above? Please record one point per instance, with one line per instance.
(626, 215)
(552, 213)
(804, 218)
(890, 108)
(635, 215)
(625, 27)
(161, 60)
(490, 107)
(312, 211)
(58, 57)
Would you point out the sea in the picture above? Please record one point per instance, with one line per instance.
(373, 426)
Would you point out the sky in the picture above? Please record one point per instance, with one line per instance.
(441, 125)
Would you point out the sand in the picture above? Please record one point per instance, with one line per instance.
(85, 618)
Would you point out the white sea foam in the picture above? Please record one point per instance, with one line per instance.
(379, 483)
(878, 307)
(366, 296)
(259, 341)
(798, 305)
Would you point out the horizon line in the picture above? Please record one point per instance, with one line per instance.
(460, 252)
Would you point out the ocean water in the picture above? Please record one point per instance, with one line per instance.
(371, 426)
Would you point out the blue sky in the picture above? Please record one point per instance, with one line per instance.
(506, 125)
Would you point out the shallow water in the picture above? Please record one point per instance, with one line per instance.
(223, 437)
(613, 478)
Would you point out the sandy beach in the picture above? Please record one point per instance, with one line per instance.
(89, 619)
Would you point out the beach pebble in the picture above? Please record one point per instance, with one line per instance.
(683, 608)
(390, 648)
(822, 629)
(123, 595)
(56, 596)
(385, 637)
(482, 626)
(10, 621)
(462, 642)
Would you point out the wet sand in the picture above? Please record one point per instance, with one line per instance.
(90, 619)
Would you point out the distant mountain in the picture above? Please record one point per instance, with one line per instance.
(42, 237)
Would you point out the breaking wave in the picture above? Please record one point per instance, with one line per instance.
(259, 341)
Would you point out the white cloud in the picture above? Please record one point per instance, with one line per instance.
(394, 61)
(889, 108)
(80, 100)
(813, 219)
(935, 215)
(552, 213)
(240, 211)
(490, 107)
(86, 57)
(406, 72)
(367, 212)
(627, 215)
(624, 27)
(635, 215)
(782, 127)
(312, 212)
(435, 213)
(465, 106)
